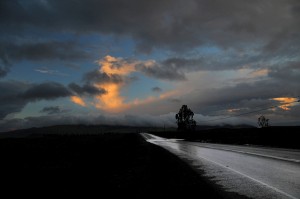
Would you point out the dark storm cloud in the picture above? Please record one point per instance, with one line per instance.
(3, 70)
(288, 73)
(178, 25)
(96, 76)
(44, 50)
(10, 100)
(160, 72)
(86, 89)
(15, 95)
(47, 91)
(53, 110)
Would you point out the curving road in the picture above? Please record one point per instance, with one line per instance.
(254, 172)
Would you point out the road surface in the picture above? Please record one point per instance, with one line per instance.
(254, 172)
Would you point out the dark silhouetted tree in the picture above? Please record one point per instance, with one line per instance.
(185, 119)
(263, 122)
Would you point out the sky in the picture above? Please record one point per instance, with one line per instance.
(136, 62)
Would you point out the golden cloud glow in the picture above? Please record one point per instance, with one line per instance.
(152, 99)
(122, 68)
(284, 100)
(78, 100)
(233, 110)
(112, 101)
(259, 73)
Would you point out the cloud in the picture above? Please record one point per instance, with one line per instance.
(197, 37)
(243, 97)
(41, 50)
(287, 73)
(48, 50)
(237, 35)
(174, 100)
(3, 70)
(10, 100)
(156, 89)
(259, 84)
(286, 102)
(177, 25)
(86, 89)
(15, 95)
(78, 100)
(159, 71)
(47, 91)
(97, 76)
(117, 69)
(214, 93)
(113, 76)
(53, 110)
(176, 68)
(45, 70)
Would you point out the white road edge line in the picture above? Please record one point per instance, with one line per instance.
(257, 154)
(269, 186)
(250, 153)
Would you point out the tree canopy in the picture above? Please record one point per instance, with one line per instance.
(185, 119)
(263, 122)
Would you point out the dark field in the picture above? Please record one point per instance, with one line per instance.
(96, 161)
(106, 165)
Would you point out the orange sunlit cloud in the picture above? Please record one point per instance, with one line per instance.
(152, 99)
(259, 73)
(78, 100)
(112, 101)
(233, 110)
(284, 100)
(123, 68)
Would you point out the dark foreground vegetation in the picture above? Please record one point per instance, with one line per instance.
(105, 165)
(280, 136)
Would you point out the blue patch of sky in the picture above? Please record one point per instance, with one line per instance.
(142, 87)
(42, 71)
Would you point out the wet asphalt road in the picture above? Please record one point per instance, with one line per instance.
(255, 172)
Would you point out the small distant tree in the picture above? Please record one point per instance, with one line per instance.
(263, 122)
(185, 119)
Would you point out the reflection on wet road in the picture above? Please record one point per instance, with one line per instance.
(250, 171)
